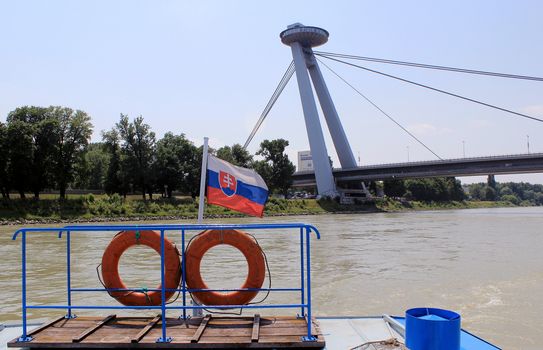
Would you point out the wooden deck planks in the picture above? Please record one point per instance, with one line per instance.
(196, 337)
(196, 333)
(256, 329)
(92, 329)
(46, 325)
(146, 329)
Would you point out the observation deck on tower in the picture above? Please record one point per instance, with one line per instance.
(305, 35)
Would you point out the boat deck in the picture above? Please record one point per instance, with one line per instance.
(351, 332)
(195, 333)
(340, 333)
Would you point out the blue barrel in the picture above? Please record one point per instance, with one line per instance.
(432, 329)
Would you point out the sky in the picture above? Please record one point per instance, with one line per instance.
(208, 68)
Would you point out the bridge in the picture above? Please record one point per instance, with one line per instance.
(305, 65)
(506, 164)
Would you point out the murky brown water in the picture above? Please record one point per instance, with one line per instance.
(486, 264)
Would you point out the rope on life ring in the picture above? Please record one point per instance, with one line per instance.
(110, 267)
(245, 243)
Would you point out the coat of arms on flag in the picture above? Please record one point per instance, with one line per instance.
(235, 188)
(228, 183)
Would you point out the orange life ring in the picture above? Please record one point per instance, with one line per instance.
(238, 239)
(110, 266)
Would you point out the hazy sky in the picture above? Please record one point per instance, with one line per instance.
(207, 68)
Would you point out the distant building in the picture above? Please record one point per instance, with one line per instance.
(305, 162)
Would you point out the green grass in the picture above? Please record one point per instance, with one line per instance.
(102, 207)
(89, 207)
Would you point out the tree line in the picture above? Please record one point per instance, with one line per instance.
(49, 148)
(427, 189)
(450, 189)
(40, 147)
(518, 193)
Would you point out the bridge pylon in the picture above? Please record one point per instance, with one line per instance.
(301, 39)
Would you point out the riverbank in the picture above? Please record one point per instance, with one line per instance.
(89, 208)
(392, 205)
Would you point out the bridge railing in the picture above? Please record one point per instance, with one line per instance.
(437, 161)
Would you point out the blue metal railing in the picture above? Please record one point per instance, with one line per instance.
(304, 288)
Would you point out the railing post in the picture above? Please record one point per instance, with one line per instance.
(163, 338)
(302, 277)
(309, 336)
(183, 276)
(24, 337)
(68, 275)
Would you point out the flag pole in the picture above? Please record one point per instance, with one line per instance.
(203, 182)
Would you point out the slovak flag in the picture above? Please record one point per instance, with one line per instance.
(235, 188)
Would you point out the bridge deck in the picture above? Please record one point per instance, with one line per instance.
(505, 164)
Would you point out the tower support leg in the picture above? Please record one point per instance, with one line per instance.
(323, 170)
(341, 143)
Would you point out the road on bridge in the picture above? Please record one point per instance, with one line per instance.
(506, 164)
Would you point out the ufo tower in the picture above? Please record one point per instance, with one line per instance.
(301, 40)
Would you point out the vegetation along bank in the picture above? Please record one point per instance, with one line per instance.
(46, 150)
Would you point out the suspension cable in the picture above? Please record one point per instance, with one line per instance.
(380, 110)
(429, 66)
(435, 89)
(278, 90)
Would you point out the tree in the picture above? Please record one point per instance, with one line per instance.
(394, 188)
(93, 172)
(4, 161)
(435, 189)
(511, 198)
(477, 191)
(73, 132)
(276, 169)
(538, 198)
(175, 161)
(264, 169)
(236, 155)
(490, 194)
(505, 190)
(138, 145)
(418, 188)
(19, 138)
(455, 190)
(34, 129)
(113, 182)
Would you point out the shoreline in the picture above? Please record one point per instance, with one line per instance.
(169, 217)
(386, 206)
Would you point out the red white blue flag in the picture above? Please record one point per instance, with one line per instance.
(235, 188)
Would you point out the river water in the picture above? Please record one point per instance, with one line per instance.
(486, 264)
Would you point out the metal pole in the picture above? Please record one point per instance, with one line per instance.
(183, 276)
(407, 153)
(24, 337)
(464, 148)
(309, 336)
(203, 182)
(68, 275)
(302, 279)
(163, 338)
(528, 143)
